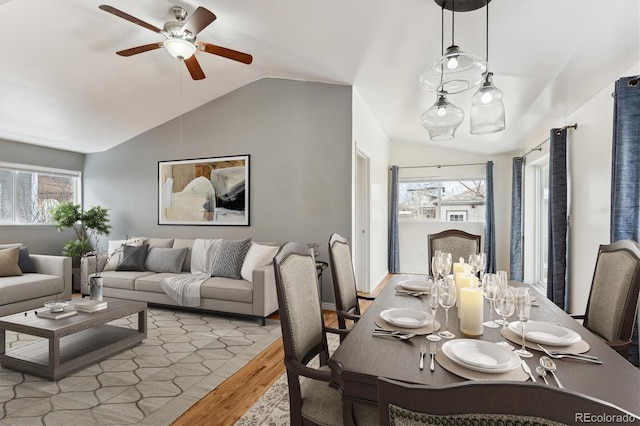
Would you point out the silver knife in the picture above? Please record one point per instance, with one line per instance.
(423, 352)
(527, 370)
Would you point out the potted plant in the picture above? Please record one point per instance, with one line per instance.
(88, 226)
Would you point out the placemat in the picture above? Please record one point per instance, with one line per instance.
(427, 329)
(575, 348)
(517, 374)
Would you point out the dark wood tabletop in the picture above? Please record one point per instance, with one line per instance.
(361, 358)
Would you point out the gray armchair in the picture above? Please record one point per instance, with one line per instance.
(344, 281)
(455, 241)
(486, 403)
(311, 399)
(612, 306)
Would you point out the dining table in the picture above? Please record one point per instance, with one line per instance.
(362, 357)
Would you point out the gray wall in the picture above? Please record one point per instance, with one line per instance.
(298, 135)
(41, 239)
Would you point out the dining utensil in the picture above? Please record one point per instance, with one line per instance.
(432, 352)
(527, 370)
(549, 365)
(402, 335)
(543, 373)
(423, 352)
(580, 357)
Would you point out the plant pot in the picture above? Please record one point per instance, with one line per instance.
(95, 288)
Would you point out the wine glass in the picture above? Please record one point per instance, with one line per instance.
(503, 283)
(490, 290)
(505, 306)
(433, 299)
(447, 261)
(482, 264)
(436, 264)
(523, 310)
(447, 298)
(474, 262)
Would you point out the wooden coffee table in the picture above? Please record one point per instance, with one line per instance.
(72, 343)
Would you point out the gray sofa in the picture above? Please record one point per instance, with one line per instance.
(51, 281)
(218, 294)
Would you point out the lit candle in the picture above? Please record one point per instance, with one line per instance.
(471, 308)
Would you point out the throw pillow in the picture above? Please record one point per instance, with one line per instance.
(114, 252)
(165, 259)
(229, 259)
(25, 263)
(9, 262)
(133, 258)
(203, 254)
(257, 256)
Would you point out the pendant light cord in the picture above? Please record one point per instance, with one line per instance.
(453, 22)
(487, 39)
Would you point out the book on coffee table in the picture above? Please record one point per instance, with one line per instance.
(90, 305)
(56, 315)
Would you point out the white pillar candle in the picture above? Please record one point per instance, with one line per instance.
(464, 279)
(471, 309)
(461, 267)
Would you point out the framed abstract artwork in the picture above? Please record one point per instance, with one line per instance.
(204, 191)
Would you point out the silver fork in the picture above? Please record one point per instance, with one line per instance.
(580, 357)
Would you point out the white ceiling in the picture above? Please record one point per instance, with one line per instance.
(63, 86)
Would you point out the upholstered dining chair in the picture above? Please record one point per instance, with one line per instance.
(612, 306)
(311, 399)
(487, 403)
(344, 281)
(455, 241)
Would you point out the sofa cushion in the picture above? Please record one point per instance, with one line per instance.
(32, 286)
(25, 263)
(9, 262)
(122, 279)
(214, 288)
(133, 258)
(115, 250)
(258, 255)
(229, 258)
(165, 259)
(184, 243)
(159, 242)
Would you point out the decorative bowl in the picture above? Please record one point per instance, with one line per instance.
(56, 305)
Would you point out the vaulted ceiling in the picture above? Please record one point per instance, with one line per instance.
(63, 86)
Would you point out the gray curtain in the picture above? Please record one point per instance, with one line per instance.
(394, 239)
(557, 262)
(625, 172)
(515, 264)
(490, 223)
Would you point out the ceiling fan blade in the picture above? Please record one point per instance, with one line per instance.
(245, 58)
(198, 21)
(129, 18)
(194, 68)
(140, 49)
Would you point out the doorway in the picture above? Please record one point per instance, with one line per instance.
(361, 228)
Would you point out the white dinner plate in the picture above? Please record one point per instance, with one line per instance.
(414, 285)
(406, 318)
(479, 355)
(546, 333)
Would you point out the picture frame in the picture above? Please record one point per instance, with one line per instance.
(211, 191)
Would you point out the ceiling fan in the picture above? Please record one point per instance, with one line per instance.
(180, 38)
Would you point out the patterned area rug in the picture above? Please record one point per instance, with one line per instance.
(185, 356)
(273, 407)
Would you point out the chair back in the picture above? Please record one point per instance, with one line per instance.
(299, 303)
(487, 403)
(613, 301)
(342, 275)
(455, 241)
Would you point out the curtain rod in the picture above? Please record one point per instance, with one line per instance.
(539, 146)
(441, 165)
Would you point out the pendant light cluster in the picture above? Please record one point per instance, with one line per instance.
(455, 72)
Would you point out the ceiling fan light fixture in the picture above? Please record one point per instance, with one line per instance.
(179, 48)
(442, 119)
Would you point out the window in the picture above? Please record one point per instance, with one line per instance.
(442, 200)
(27, 193)
(542, 223)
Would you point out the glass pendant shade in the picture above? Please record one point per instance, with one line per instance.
(487, 109)
(442, 119)
(179, 48)
(456, 71)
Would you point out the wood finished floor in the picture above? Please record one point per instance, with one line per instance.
(232, 398)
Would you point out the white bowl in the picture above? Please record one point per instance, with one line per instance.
(545, 333)
(480, 355)
(414, 285)
(406, 318)
(56, 306)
